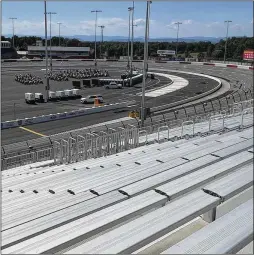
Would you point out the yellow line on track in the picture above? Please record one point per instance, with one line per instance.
(31, 131)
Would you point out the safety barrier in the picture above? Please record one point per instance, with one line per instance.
(190, 125)
(160, 129)
(91, 145)
(27, 158)
(65, 115)
(213, 122)
(94, 145)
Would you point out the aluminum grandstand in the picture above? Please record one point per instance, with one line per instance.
(131, 190)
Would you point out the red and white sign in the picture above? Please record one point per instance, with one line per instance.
(248, 55)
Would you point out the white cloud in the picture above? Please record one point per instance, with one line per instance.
(117, 26)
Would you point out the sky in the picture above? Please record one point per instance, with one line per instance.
(200, 18)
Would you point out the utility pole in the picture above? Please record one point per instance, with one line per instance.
(102, 27)
(46, 51)
(132, 37)
(129, 10)
(50, 13)
(95, 26)
(225, 52)
(177, 23)
(13, 44)
(59, 23)
(145, 64)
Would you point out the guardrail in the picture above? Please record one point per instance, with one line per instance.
(92, 145)
(65, 115)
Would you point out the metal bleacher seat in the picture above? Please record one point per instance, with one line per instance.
(27, 207)
(232, 184)
(227, 235)
(58, 218)
(135, 234)
(223, 153)
(90, 225)
(205, 175)
(167, 176)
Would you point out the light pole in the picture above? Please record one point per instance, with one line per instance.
(178, 24)
(145, 64)
(132, 37)
(46, 51)
(102, 27)
(225, 52)
(13, 45)
(95, 26)
(50, 13)
(59, 23)
(130, 10)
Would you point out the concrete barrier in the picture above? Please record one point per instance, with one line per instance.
(65, 115)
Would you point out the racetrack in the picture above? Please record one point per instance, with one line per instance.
(17, 134)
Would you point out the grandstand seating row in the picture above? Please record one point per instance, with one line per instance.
(123, 202)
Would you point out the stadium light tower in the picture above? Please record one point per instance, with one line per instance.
(178, 24)
(225, 52)
(59, 23)
(145, 63)
(50, 13)
(95, 26)
(13, 45)
(102, 27)
(46, 51)
(132, 38)
(129, 10)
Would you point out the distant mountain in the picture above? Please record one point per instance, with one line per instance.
(138, 39)
(141, 39)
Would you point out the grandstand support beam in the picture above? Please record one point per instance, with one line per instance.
(144, 65)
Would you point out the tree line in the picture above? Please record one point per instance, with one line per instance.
(204, 49)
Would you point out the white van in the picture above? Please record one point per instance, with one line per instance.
(30, 98)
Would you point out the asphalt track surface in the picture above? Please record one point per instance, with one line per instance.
(13, 103)
(235, 77)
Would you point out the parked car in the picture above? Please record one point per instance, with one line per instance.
(113, 85)
(91, 98)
